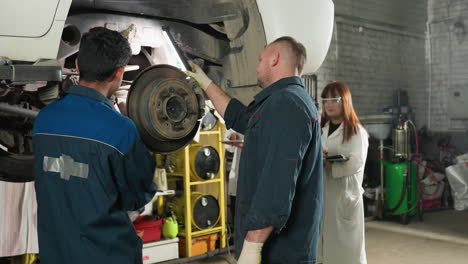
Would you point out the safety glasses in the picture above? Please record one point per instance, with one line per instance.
(335, 100)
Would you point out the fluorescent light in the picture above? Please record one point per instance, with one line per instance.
(179, 60)
(3, 147)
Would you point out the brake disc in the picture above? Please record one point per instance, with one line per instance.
(166, 107)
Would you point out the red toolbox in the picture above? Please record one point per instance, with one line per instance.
(148, 229)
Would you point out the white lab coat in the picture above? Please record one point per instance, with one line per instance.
(342, 239)
(18, 219)
(234, 172)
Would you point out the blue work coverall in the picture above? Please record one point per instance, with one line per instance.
(91, 168)
(280, 175)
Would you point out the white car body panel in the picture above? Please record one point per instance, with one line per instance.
(308, 21)
(31, 29)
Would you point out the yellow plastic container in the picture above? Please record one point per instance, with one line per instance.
(200, 245)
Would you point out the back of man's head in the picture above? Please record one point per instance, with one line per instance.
(298, 51)
(101, 52)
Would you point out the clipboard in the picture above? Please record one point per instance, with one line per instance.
(337, 158)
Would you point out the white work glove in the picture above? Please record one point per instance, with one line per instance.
(251, 253)
(199, 75)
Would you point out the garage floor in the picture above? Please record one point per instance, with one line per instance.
(441, 239)
(448, 225)
(386, 247)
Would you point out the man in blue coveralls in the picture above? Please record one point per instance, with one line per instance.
(279, 191)
(90, 164)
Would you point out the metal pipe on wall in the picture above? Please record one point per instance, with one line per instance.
(379, 26)
(314, 78)
(311, 86)
(429, 47)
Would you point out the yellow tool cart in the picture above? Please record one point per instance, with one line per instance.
(202, 207)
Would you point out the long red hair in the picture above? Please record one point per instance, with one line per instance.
(350, 120)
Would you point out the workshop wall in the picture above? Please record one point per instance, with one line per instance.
(378, 47)
(447, 66)
(447, 59)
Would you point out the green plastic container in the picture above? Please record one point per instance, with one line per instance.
(394, 178)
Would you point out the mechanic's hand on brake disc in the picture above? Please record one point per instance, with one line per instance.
(251, 253)
(198, 75)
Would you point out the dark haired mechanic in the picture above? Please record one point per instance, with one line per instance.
(90, 164)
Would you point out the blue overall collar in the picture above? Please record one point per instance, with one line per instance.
(282, 83)
(90, 93)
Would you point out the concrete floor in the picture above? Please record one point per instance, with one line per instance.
(441, 239)
(448, 225)
(387, 247)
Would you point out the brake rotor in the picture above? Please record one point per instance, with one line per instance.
(166, 107)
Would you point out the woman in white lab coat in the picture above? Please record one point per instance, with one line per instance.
(342, 240)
